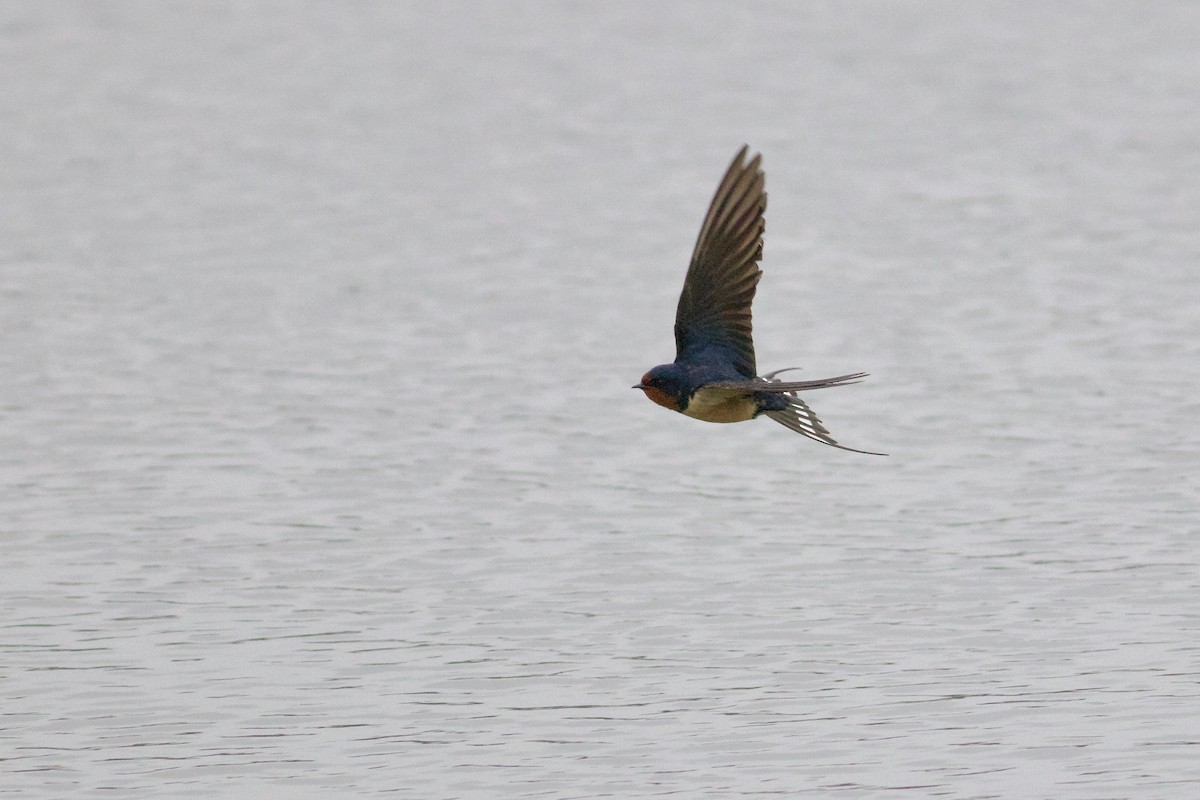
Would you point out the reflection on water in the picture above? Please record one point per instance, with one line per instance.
(322, 473)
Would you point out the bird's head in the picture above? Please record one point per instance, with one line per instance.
(666, 385)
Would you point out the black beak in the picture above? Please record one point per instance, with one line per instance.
(637, 386)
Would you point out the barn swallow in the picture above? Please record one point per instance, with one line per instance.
(713, 377)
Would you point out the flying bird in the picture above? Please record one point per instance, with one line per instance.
(713, 377)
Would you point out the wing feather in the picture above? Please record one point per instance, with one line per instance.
(713, 316)
(785, 387)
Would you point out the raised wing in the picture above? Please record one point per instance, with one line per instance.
(712, 320)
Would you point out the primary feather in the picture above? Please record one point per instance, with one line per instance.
(712, 320)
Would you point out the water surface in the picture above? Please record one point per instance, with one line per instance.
(322, 476)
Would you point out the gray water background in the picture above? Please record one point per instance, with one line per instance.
(321, 475)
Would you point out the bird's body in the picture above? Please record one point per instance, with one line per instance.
(723, 405)
(713, 377)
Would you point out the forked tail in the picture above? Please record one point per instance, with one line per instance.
(799, 417)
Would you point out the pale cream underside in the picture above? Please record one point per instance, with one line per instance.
(721, 405)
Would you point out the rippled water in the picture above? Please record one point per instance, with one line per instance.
(322, 476)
